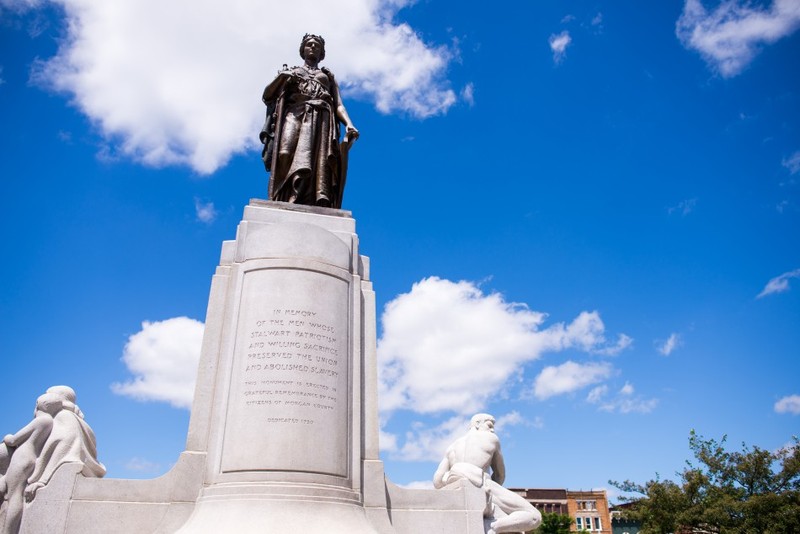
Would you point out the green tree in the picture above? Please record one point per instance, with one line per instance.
(554, 524)
(751, 491)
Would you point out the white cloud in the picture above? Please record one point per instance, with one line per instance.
(468, 94)
(510, 419)
(667, 347)
(388, 441)
(179, 83)
(142, 465)
(558, 44)
(623, 402)
(447, 346)
(597, 20)
(731, 35)
(163, 358)
(418, 484)
(205, 211)
(597, 394)
(789, 404)
(684, 207)
(623, 342)
(424, 443)
(792, 163)
(627, 389)
(779, 284)
(569, 377)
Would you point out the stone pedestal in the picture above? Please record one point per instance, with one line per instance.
(283, 435)
(279, 407)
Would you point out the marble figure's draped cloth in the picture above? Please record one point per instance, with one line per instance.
(71, 440)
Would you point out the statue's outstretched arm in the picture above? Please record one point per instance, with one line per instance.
(15, 440)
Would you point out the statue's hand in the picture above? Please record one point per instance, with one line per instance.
(30, 491)
(9, 440)
(351, 134)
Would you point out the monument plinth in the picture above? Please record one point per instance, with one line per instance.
(281, 408)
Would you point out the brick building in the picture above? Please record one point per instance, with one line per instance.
(588, 509)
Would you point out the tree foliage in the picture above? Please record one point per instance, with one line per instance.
(751, 491)
(554, 524)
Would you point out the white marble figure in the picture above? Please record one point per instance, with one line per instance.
(469, 458)
(25, 447)
(70, 441)
(28, 459)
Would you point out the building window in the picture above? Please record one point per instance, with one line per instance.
(579, 523)
(597, 525)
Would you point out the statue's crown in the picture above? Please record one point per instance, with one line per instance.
(319, 38)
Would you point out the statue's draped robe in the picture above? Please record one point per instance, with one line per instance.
(71, 440)
(306, 133)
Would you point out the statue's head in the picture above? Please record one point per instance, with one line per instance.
(49, 403)
(65, 393)
(320, 42)
(482, 421)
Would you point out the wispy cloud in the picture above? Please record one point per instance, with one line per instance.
(142, 465)
(569, 377)
(558, 44)
(418, 484)
(792, 163)
(684, 207)
(669, 345)
(624, 401)
(779, 284)
(468, 94)
(623, 342)
(597, 23)
(730, 36)
(429, 443)
(789, 404)
(423, 443)
(205, 211)
(163, 358)
(181, 89)
(448, 346)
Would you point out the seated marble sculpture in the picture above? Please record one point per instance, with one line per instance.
(470, 458)
(28, 459)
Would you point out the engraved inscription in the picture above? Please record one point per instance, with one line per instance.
(290, 375)
(282, 345)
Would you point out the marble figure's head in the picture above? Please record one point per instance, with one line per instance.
(482, 421)
(48, 403)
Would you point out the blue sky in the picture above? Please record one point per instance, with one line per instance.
(582, 217)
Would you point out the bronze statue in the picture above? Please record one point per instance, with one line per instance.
(302, 152)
